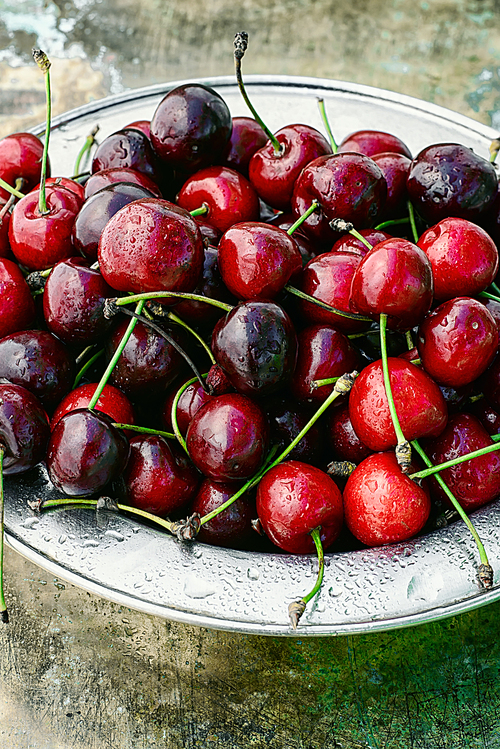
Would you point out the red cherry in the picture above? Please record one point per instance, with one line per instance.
(420, 405)
(233, 526)
(350, 243)
(457, 341)
(112, 402)
(20, 157)
(343, 439)
(128, 148)
(111, 176)
(372, 142)
(247, 137)
(191, 400)
(295, 498)
(395, 167)
(382, 505)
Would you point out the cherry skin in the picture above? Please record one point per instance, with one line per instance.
(447, 179)
(107, 177)
(68, 184)
(228, 196)
(373, 142)
(395, 167)
(256, 260)
(127, 148)
(158, 478)
(382, 505)
(5, 250)
(463, 256)
(233, 526)
(247, 137)
(457, 341)
(191, 400)
(151, 245)
(20, 157)
(393, 278)
(273, 174)
(85, 453)
(112, 402)
(343, 439)
(420, 405)
(348, 186)
(475, 482)
(191, 127)
(73, 302)
(228, 437)
(295, 498)
(24, 428)
(17, 309)
(256, 346)
(143, 125)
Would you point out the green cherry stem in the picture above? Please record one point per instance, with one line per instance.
(201, 211)
(431, 470)
(494, 149)
(392, 222)
(324, 305)
(495, 288)
(178, 321)
(84, 150)
(313, 207)
(43, 63)
(409, 340)
(413, 224)
(240, 47)
(13, 191)
(485, 570)
(297, 608)
(487, 295)
(326, 123)
(150, 295)
(173, 413)
(403, 448)
(326, 381)
(85, 367)
(4, 614)
(144, 430)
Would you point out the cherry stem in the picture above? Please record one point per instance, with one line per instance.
(324, 305)
(486, 574)
(201, 211)
(89, 142)
(144, 430)
(392, 222)
(149, 295)
(240, 47)
(495, 288)
(403, 449)
(456, 461)
(494, 149)
(487, 295)
(105, 377)
(173, 413)
(43, 63)
(411, 216)
(326, 123)
(10, 189)
(409, 340)
(326, 381)
(203, 344)
(313, 207)
(4, 614)
(297, 608)
(86, 367)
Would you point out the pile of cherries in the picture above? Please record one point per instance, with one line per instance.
(258, 339)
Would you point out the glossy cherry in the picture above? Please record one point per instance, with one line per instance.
(395, 167)
(343, 439)
(127, 148)
(372, 142)
(350, 243)
(247, 136)
(112, 402)
(20, 157)
(24, 428)
(233, 526)
(111, 176)
(17, 308)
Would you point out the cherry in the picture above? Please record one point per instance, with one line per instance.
(373, 142)
(158, 478)
(110, 176)
(343, 439)
(463, 256)
(20, 157)
(420, 405)
(395, 167)
(474, 482)
(227, 196)
(233, 526)
(351, 243)
(112, 402)
(256, 260)
(24, 428)
(191, 127)
(17, 309)
(85, 453)
(143, 125)
(151, 245)
(38, 361)
(73, 302)
(287, 419)
(457, 341)
(69, 184)
(382, 505)
(129, 148)
(247, 137)
(227, 437)
(448, 179)
(295, 498)
(487, 415)
(5, 250)
(256, 345)
(193, 397)
(285, 221)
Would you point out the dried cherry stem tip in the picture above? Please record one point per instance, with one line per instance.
(4, 614)
(297, 608)
(43, 63)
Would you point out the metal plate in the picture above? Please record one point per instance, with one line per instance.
(424, 579)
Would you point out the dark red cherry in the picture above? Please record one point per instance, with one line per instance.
(127, 148)
(151, 245)
(96, 212)
(349, 186)
(284, 221)
(112, 402)
(287, 419)
(143, 125)
(40, 241)
(191, 400)
(475, 482)
(393, 278)
(17, 309)
(487, 415)
(85, 453)
(159, 479)
(420, 405)
(372, 142)
(227, 194)
(295, 498)
(463, 256)
(108, 177)
(343, 439)
(382, 505)
(20, 157)
(256, 260)
(73, 302)
(233, 526)
(191, 127)
(273, 174)
(24, 428)
(395, 167)
(38, 361)
(247, 137)
(256, 345)
(227, 438)
(69, 184)
(457, 341)
(448, 179)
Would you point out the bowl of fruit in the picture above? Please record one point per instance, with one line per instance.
(248, 354)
